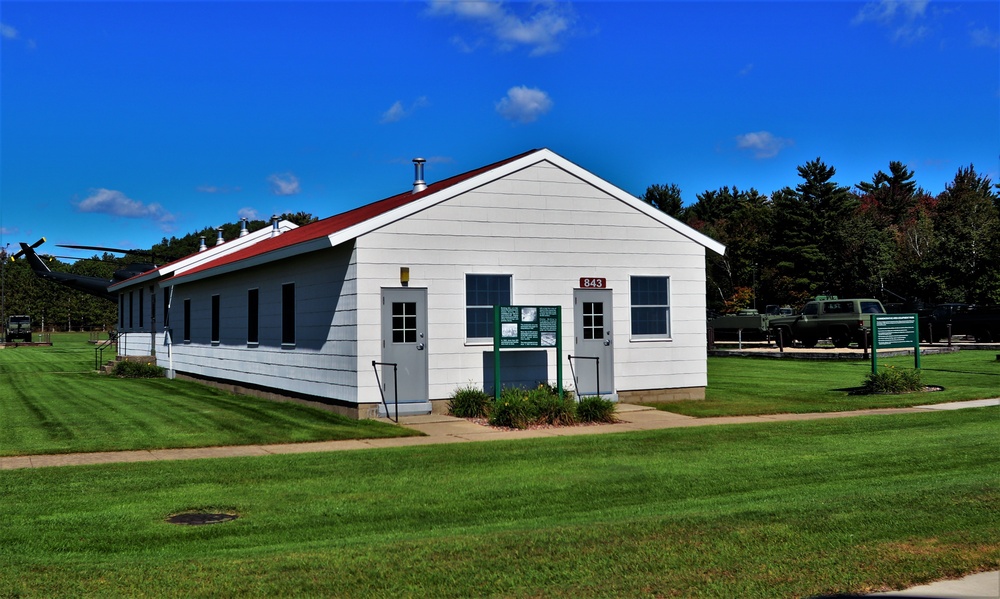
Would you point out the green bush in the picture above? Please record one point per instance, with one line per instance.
(128, 369)
(548, 408)
(469, 402)
(595, 409)
(512, 410)
(892, 380)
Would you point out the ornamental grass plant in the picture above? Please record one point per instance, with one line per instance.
(522, 408)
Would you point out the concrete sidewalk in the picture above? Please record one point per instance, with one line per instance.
(439, 428)
(984, 585)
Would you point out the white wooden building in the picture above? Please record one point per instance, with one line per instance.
(412, 279)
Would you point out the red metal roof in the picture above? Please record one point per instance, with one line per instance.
(339, 222)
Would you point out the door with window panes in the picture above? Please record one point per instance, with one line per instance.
(593, 337)
(404, 343)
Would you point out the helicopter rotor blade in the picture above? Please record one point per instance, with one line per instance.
(21, 251)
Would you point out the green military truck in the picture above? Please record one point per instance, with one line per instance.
(18, 329)
(841, 320)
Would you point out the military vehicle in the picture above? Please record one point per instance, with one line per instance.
(18, 328)
(980, 322)
(841, 320)
(747, 324)
(96, 286)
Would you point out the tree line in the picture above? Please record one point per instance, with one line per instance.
(886, 238)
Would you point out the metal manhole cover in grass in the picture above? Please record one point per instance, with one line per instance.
(200, 518)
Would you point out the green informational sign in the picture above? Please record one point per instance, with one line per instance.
(895, 330)
(529, 326)
(526, 327)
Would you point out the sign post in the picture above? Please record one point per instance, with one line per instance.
(895, 330)
(526, 326)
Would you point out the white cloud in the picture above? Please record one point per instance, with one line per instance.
(284, 184)
(764, 144)
(397, 112)
(216, 189)
(247, 213)
(900, 16)
(985, 37)
(540, 29)
(7, 32)
(746, 70)
(8, 230)
(115, 203)
(524, 104)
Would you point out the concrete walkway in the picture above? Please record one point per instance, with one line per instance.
(439, 428)
(447, 429)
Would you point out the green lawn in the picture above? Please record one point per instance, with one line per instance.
(51, 401)
(745, 386)
(773, 510)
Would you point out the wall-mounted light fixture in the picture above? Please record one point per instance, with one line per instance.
(404, 276)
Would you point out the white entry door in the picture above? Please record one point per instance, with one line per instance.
(404, 343)
(593, 345)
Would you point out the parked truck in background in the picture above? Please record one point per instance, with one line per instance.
(843, 321)
(962, 320)
(17, 328)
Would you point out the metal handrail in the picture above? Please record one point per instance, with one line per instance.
(99, 350)
(395, 387)
(576, 382)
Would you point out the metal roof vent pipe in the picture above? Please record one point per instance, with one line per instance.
(219, 240)
(275, 231)
(243, 227)
(418, 175)
(202, 247)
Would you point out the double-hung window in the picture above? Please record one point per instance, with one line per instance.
(187, 321)
(482, 292)
(253, 321)
(288, 315)
(216, 315)
(650, 297)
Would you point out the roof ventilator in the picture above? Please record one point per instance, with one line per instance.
(418, 175)
(202, 247)
(275, 230)
(243, 227)
(219, 240)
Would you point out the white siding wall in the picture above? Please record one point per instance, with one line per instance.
(548, 229)
(323, 362)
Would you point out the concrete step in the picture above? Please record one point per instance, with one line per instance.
(409, 408)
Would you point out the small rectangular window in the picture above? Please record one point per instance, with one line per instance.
(215, 318)
(482, 292)
(253, 306)
(187, 321)
(288, 314)
(142, 315)
(650, 297)
(121, 310)
(131, 308)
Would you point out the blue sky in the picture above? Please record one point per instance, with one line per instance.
(123, 123)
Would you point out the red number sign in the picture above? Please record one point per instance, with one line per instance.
(593, 283)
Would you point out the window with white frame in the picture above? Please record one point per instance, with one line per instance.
(482, 292)
(650, 297)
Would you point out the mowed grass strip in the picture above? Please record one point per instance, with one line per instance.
(746, 386)
(773, 510)
(51, 401)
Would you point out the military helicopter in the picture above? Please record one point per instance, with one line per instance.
(96, 286)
